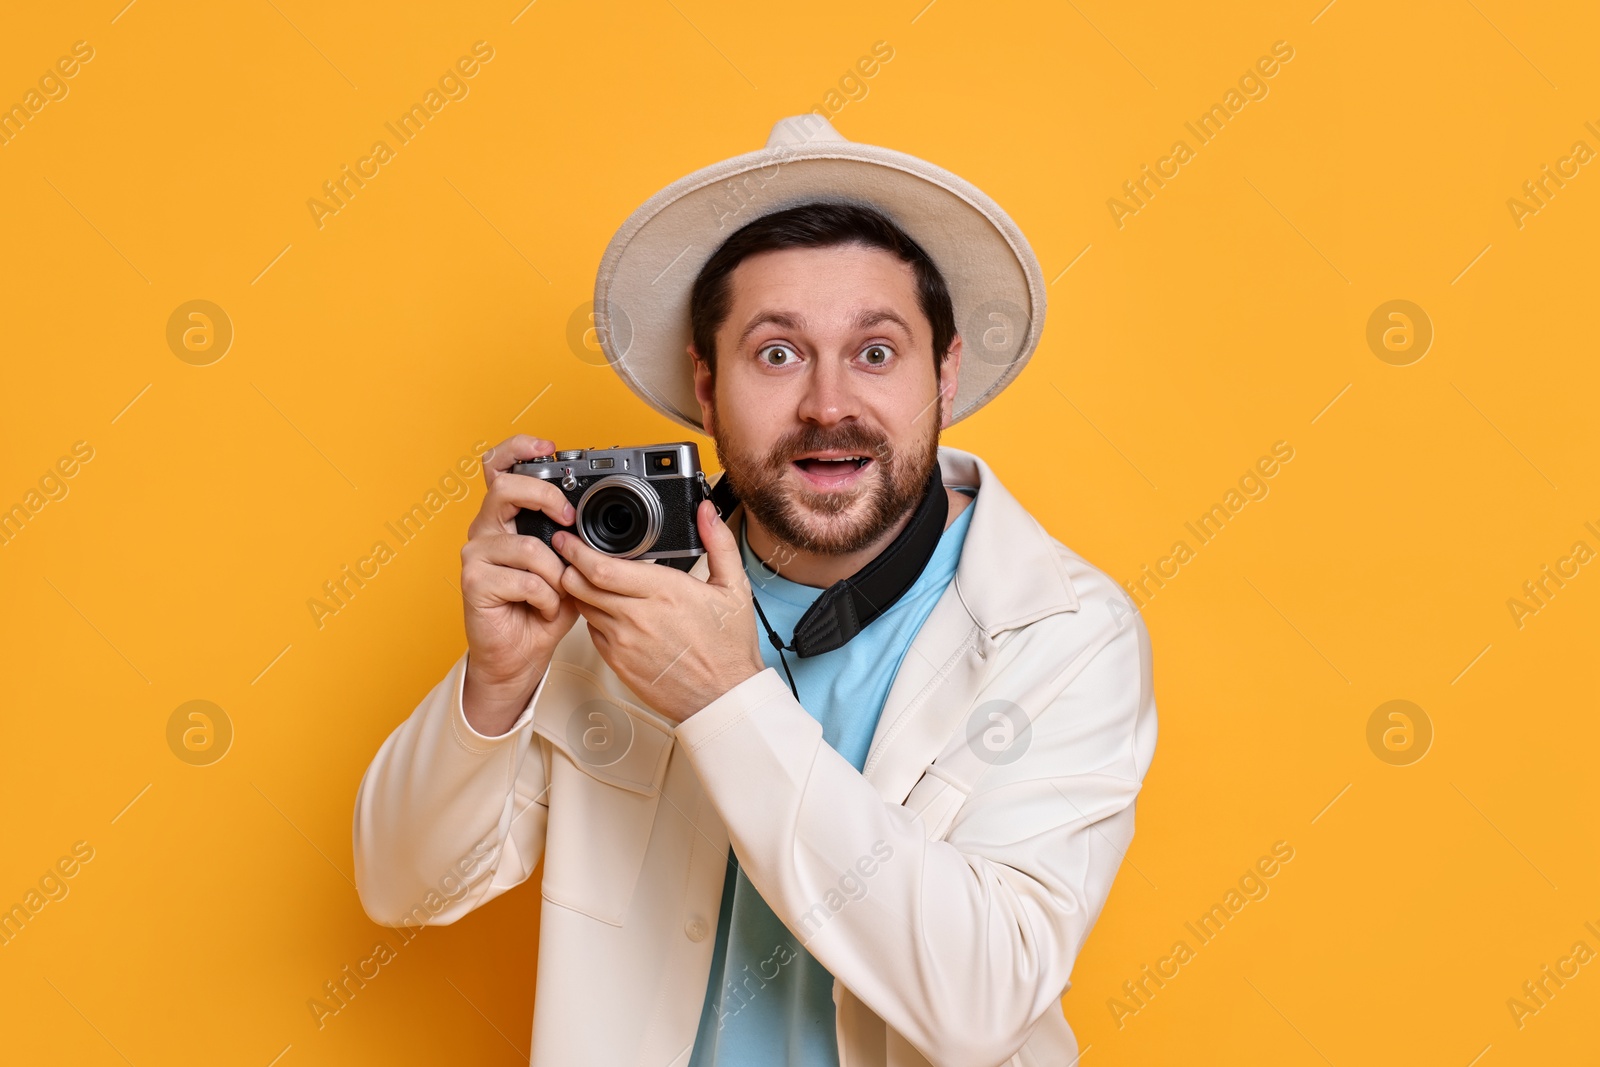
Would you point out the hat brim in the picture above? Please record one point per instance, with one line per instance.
(641, 301)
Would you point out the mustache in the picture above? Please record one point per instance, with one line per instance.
(861, 440)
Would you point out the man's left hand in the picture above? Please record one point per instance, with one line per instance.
(678, 642)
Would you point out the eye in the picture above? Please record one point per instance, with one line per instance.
(877, 355)
(777, 355)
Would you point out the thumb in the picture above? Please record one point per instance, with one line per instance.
(726, 567)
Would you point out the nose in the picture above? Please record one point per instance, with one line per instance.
(829, 397)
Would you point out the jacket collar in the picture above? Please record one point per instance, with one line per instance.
(1010, 572)
(1009, 575)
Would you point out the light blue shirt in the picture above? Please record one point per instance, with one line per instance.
(768, 1000)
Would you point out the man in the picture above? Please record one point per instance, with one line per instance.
(852, 790)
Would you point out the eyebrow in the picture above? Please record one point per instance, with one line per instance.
(863, 321)
(868, 319)
(771, 318)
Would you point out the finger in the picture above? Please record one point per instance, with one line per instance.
(576, 585)
(515, 550)
(510, 493)
(487, 586)
(724, 561)
(627, 577)
(601, 624)
(499, 459)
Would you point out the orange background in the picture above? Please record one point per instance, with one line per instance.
(1229, 313)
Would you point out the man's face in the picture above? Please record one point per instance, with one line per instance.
(826, 407)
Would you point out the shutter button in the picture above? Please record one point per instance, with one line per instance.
(695, 929)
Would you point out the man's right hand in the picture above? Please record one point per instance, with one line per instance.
(516, 610)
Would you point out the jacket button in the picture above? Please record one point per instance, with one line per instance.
(695, 929)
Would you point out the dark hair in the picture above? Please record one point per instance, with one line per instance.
(816, 225)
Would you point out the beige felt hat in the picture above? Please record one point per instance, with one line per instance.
(641, 295)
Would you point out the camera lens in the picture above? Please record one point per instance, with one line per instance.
(620, 516)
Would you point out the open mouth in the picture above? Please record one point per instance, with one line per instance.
(831, 471)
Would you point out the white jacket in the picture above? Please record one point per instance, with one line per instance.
(985, 875)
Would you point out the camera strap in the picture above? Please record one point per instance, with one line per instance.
(846, 607)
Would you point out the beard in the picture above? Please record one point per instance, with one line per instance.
(829, 523)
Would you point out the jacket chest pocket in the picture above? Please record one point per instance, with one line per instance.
(606, 770)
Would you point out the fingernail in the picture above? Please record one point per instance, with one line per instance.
(568, 515)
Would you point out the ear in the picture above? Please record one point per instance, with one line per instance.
(949, 379)
(704, 390)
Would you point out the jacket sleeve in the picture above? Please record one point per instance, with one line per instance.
(446, 818)
(962, 943)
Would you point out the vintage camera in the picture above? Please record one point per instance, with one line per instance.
(633, 503)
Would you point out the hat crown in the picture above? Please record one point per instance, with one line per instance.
(802, 129)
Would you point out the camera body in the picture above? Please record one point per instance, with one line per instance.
(632, 503)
